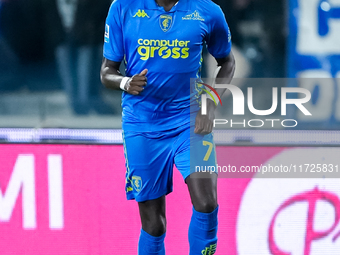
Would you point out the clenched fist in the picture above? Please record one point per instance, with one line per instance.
(135, 85)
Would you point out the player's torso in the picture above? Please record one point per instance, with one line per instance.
(169, 45)
(164, 41)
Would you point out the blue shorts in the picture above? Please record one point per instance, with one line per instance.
(150, 157)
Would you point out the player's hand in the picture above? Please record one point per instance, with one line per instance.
(137, 82)
(204, 123)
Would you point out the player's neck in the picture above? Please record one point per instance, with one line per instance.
(166, 4)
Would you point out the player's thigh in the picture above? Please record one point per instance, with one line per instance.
(149, 163)
(195, 153)
(196, 160)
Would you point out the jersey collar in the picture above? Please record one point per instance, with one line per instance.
(183, 5)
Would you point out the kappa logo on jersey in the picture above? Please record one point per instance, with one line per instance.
(165, 21)
(193, 16)
(209, 250)
(107, 33)
(137, 183)
(141, 14)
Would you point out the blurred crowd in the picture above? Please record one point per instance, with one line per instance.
(48, 45)
(259, 30)
(54, 44)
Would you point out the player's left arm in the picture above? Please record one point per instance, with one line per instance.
(204, 123)
(225, 75)
(218, 41)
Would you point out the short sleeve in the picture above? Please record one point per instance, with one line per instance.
(219, 38)
(113, 38)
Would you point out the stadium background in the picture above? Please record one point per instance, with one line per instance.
(62, 165)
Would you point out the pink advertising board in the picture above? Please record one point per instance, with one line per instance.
(70, 199)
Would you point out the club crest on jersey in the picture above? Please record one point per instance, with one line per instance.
(165, 21)
(137, 183)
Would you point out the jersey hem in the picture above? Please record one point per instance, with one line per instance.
(222, 55)
(148, 197)
(138, 128)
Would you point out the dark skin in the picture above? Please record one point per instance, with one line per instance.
(167, 4)
(203, 190)
(204, 123)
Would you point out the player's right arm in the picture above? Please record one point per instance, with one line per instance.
(114, 52)
(112, 78)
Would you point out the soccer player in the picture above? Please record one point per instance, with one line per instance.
(161, 43)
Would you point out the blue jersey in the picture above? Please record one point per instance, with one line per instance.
(169, 45)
